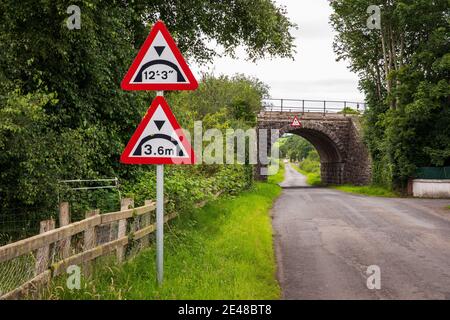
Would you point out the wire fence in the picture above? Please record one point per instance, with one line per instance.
(19, 223)
(17, 271)
(60, 243)
(82, 195)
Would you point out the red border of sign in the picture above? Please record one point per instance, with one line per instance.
(125, 158)
(296, 125)
(190, 85)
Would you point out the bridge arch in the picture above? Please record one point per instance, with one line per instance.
(327, 144)
(343, 155)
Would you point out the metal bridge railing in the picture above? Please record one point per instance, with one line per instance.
(303, 106)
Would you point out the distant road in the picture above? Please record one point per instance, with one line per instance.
(325, 240)
(293, 178)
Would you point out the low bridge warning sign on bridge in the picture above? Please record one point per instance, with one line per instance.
(295, 122)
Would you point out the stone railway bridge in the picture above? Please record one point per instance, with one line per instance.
(336, 136)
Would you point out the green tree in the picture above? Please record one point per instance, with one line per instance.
(239, 95)
(295, 148)
(404, 71)
(81, 130)
(214, 103)
(84, 67)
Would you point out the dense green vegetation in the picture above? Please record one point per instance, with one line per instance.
(311, 163)
(221, 251)
(404, 71)
(64, 116)
(25, 134)
(294, 147)
(314, 179)
(376, 191)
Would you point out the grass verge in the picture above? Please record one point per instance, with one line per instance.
(221, 251)
(375, 191)
(277, 173)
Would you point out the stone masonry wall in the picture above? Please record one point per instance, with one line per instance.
(343, 155)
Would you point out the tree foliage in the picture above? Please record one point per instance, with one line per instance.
(294, 148)
(404, 70)
(63, 114)
(236, 98)
(35, 157)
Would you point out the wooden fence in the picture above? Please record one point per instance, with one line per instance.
(96, 235)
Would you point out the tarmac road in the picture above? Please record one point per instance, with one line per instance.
(326, 239)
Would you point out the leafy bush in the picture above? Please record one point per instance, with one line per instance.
(312, 163)
(313, 179)
(185, 186)
(348, 110)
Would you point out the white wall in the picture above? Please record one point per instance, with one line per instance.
(428, 188)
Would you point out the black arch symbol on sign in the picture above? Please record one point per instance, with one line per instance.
(180, 77)
(138, 151)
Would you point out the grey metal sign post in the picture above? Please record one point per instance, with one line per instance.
(160, 218)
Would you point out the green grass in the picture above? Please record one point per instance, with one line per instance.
(448, 207)
(375, 191)
(312, 178)
(277, 176)
(221, 251)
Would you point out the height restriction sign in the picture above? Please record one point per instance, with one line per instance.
(159, 65)
(158, 139)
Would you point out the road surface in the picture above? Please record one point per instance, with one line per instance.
(326, 239)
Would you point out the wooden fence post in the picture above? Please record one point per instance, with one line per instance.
(146, 222)
(64, 220)
(43, 254)
(90, 241)
(126, 203)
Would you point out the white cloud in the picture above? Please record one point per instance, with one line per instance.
(314, 73)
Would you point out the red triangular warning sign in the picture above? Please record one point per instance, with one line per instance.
(159, 65)
(296, 122)
(158, 139)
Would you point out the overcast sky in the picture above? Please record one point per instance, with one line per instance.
(314, 74)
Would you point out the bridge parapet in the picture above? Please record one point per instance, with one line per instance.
(289, 115)
(314, 106)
